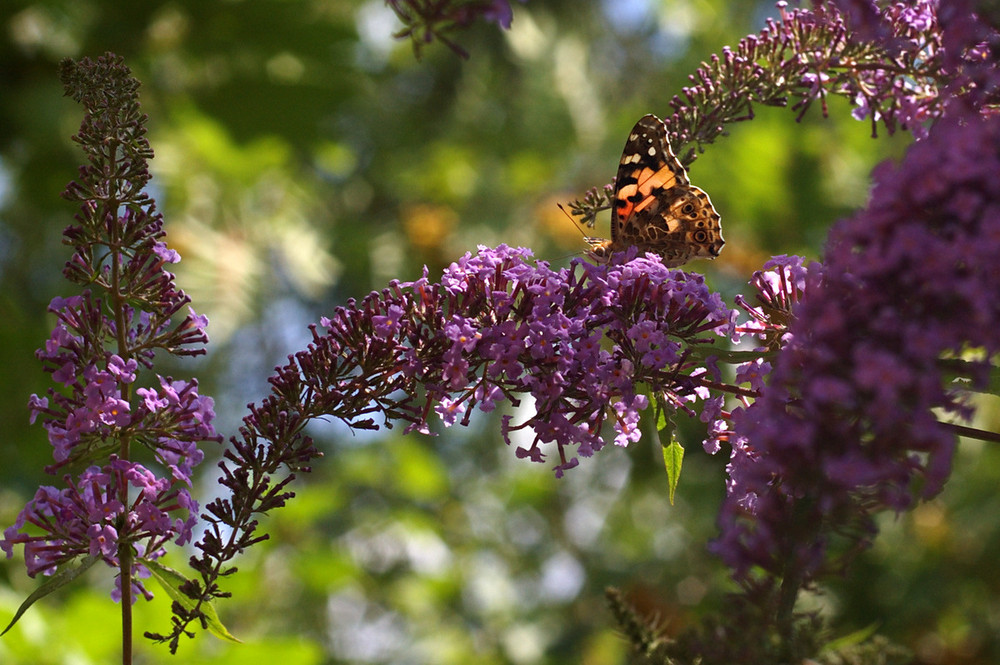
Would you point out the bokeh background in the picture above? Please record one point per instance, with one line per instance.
(304, 157)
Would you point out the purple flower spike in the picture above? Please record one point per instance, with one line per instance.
(426, 21)
(94, 414)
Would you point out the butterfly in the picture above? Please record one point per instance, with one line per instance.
(656, 208)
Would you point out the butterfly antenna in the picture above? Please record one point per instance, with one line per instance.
(571, 219)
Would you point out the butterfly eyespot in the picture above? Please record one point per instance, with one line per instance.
(687, 208)
(700, 236)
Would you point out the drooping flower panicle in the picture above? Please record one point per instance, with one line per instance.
(804, 57)
(497, 327)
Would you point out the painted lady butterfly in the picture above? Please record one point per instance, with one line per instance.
(655, 206)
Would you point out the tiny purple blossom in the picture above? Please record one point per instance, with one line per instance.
(37, 404)
(462, 333)
(449, 410)
(645, 336)
(66, 374)
(198, 322)
(151, 400)
(386, 326)
(103, 540)
(166, 254)
(627, 423)
(122, 370)
(139, 572)
(754, 373)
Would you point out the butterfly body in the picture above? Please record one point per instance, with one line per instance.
(656, 209)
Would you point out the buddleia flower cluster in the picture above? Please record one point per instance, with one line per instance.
(832, 414)
(871, 361)
(106, 407)
(902, 330)
(578, 342)
(592, 345)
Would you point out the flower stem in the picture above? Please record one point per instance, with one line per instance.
(125, 563)
(972, 432)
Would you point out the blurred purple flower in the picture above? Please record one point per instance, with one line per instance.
(847, 425)
(426, 20)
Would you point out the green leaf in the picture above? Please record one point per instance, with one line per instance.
(663, 422)
(673, 452)
(851, 639)
(64, 575)
(673, 457)
(171, 581)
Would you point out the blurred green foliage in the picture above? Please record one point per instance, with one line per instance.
(304, 157)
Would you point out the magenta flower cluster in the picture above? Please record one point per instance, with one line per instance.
(88, 518)
(92, 415)
(497, 327)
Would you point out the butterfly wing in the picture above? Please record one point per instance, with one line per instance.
(655, 206)
(648, 170)
(656, 209)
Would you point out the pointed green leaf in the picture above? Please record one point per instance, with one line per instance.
(661, 411)
(64, 575)
(171, 581)
(673, 458)
(852, 639)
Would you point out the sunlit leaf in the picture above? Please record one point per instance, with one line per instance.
(673, 458)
